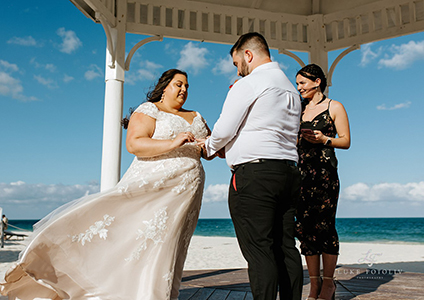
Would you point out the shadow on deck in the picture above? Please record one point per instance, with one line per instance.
(352, 283)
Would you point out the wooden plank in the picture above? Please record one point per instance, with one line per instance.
(202, 294)
(186, 293)
(219, 294)
(236, 295)
(249, 296)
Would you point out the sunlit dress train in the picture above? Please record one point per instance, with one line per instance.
(126, 243)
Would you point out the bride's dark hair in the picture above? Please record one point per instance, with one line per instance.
(155, 94)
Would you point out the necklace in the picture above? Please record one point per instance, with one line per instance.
(319, 102)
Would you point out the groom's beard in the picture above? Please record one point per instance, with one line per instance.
(244, 69)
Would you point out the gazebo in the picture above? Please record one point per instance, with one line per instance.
(313, 26)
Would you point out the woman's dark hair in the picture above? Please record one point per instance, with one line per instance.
(313, 72)
(155, 94)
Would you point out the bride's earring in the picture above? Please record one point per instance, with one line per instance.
(161, 98)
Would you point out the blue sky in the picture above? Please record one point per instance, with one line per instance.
(52, 61)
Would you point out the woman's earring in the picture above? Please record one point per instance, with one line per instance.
(161, 98)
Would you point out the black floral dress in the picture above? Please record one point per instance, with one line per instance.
(316, 212)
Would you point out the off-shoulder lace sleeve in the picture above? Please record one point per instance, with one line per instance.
(148, 108)
(201, 118)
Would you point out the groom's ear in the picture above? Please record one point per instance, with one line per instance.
(248, 55)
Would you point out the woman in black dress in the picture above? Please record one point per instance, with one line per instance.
(324, 126)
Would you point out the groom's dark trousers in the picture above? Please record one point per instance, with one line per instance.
(262, 197)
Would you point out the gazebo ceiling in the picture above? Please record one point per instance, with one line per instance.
(298, 25)
(294, 7)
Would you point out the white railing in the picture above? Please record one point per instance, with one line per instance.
(373, 22)
(218, 23)
(215, 23)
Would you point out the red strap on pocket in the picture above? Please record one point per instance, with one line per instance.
(234, 182)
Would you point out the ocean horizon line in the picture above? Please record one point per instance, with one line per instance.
(37, 219)
(354, 230)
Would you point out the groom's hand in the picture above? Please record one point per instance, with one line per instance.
(221, 153)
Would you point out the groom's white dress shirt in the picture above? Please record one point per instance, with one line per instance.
(260, 118)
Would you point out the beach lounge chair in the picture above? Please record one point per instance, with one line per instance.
(9, 234)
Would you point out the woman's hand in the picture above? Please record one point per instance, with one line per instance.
(182, 138)
(314, 137)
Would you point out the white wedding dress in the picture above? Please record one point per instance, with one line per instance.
(126, 243)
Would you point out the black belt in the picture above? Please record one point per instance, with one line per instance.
(262, 160)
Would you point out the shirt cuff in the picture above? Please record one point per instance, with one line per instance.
(209, 150)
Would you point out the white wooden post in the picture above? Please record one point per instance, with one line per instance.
(1, 229)
(317, 54)
(114, 96)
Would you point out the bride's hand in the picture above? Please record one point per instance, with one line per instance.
(201, 142)
(182, 138)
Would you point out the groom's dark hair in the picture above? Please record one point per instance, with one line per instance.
(252, 41)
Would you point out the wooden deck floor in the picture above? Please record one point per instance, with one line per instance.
(352, 283)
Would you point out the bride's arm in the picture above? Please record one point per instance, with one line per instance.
(139, 137)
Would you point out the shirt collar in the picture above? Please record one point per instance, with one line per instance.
(266, 66)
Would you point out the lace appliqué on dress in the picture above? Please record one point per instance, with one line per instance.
(97, 229)
(149, 109)
(190, 224)
(169, 277)
(154, 230)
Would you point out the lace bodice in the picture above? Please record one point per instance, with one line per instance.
(186, 157)
(168, 126)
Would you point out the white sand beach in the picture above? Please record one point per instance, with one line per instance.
(224, 253)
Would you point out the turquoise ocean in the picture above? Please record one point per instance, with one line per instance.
(376, 230)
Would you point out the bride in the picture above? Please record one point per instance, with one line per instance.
(129, 242)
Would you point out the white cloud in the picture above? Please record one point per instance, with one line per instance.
(225, 66)
(48, 67)
(9, 85)
(216, 193)
(404, 55)
(368, 55)
(48, 82)
(67, 78)
(52, 195)
(148, 71)
(146, 74)
(23, 41)
(70, 41)
(397, 106)
(385, 192)
(4, 65)
(93, 72)
(192, 58)
(151, 65)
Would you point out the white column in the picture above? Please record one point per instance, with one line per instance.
(112, 134)
(114, 96)
(317, 54)
(1, 229)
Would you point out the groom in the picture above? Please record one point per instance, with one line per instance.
(258, 128)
